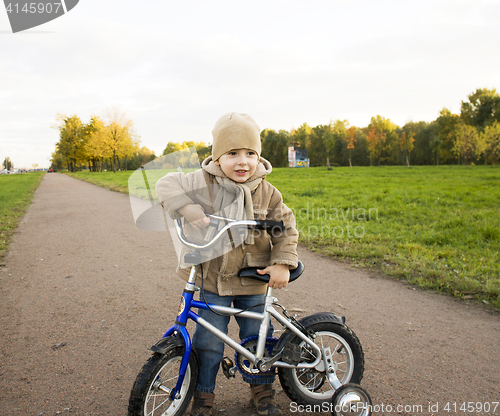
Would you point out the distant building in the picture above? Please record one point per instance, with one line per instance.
(297, 157)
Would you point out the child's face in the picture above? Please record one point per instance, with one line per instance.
(239, 165)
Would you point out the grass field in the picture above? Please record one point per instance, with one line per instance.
(115, 181)
(16, 193)
(436, 227)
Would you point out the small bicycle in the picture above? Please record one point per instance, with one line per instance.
(318, 358)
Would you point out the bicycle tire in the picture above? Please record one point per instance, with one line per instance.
(146, 399)
(311, 387)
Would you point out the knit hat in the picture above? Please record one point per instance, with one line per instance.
(235, 131)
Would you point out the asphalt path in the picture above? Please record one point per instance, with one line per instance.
(84, 294)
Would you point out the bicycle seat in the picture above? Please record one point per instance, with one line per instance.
(252, 273)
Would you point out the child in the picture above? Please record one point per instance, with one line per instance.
(235, 167)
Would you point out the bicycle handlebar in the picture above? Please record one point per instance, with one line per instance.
(266, 225)
(270, 226)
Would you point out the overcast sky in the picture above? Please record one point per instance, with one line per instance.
(175, 67)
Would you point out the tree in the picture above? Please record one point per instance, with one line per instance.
(446, 131)
(381, 138)
(203, 151)
(145, 156)
(468, 143)
(7, 164)
(56, 161)
(406, 143)
(119, 137)
(201, 148)
(423, 133)
(275, 147)
(350, 139)
(195, 159)
(374, 140)
(71, 142)
(316, 149)
(326, 135)
(334, 140)
(301, 135)
(482, 108)
(95, 146)
(96, 142)
(491, 139)
(171, 148)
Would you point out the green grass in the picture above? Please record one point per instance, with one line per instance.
(120, 180)
(436, 227)
(115, 181)
(16, 193)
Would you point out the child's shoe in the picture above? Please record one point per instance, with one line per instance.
(263, 400)
(202, 404)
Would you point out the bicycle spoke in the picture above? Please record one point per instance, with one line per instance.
(155, 396)
(312, 381)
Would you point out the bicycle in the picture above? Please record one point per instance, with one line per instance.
(318, 358)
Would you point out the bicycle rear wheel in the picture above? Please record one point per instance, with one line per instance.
(310, 386)
(150, 395)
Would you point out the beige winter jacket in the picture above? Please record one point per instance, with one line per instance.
(177, 190)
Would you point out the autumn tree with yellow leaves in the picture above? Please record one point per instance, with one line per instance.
(101, 140)
(350, 139)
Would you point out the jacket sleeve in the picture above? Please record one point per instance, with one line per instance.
(284, 250)
(175, 190)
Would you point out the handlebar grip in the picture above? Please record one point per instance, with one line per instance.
(270, 226)
(251, 272)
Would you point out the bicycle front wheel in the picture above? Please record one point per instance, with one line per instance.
(150, 394)
(310, 386)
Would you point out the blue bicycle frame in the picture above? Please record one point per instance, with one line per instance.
(185, 313)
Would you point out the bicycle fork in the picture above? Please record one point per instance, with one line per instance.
(179, 328)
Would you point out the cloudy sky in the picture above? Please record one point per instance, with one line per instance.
(175, 67)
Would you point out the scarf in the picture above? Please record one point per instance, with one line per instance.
(233, 199)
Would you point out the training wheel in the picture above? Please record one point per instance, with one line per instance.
(351, 400)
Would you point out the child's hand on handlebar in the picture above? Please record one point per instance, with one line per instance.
(195, 215)
(279, 275)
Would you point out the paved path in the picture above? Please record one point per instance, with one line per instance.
(84, 294)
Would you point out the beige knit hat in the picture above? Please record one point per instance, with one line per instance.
(235, 131)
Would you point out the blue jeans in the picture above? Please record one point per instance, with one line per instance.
(210, 349)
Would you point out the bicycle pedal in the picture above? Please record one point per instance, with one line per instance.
(228, 367)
